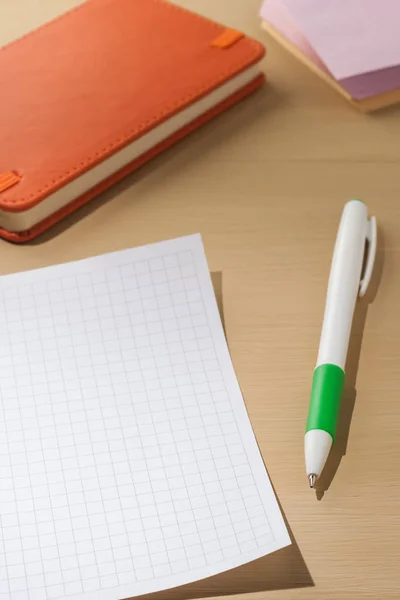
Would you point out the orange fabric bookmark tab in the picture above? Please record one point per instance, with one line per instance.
(8, 179)
(227, 38)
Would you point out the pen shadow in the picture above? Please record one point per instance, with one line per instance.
(339, 448)
(284, 569)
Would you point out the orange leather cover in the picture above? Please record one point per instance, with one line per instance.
(82, 87)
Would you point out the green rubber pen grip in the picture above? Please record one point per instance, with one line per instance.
(326, 395)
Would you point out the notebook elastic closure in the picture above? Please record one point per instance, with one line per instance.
(227, 39)
(8, 179)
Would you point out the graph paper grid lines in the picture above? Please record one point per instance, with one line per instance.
(127, 460)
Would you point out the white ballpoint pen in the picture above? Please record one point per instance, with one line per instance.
(355, 246)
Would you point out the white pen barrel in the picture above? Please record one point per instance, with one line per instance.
(344, 283)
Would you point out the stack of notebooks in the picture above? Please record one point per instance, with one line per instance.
(354, 46)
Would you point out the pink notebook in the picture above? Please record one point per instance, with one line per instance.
(276, 13)
(357, 41)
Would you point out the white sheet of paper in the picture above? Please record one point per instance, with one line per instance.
(127, 460)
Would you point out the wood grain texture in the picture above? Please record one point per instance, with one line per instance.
(265, 185)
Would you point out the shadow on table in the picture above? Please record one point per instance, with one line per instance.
(282, 570)
(353, 358)
(216, 279)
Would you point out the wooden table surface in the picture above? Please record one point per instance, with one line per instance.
(265, 185)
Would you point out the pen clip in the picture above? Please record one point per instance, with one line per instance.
(371, 239)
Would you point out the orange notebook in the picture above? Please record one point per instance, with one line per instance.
(94, 94)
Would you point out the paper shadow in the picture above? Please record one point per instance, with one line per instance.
(216, 279)
(353, 358)
(284, 569)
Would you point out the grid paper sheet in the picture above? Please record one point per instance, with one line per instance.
(127, 460)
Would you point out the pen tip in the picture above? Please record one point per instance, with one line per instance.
(312, 479)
